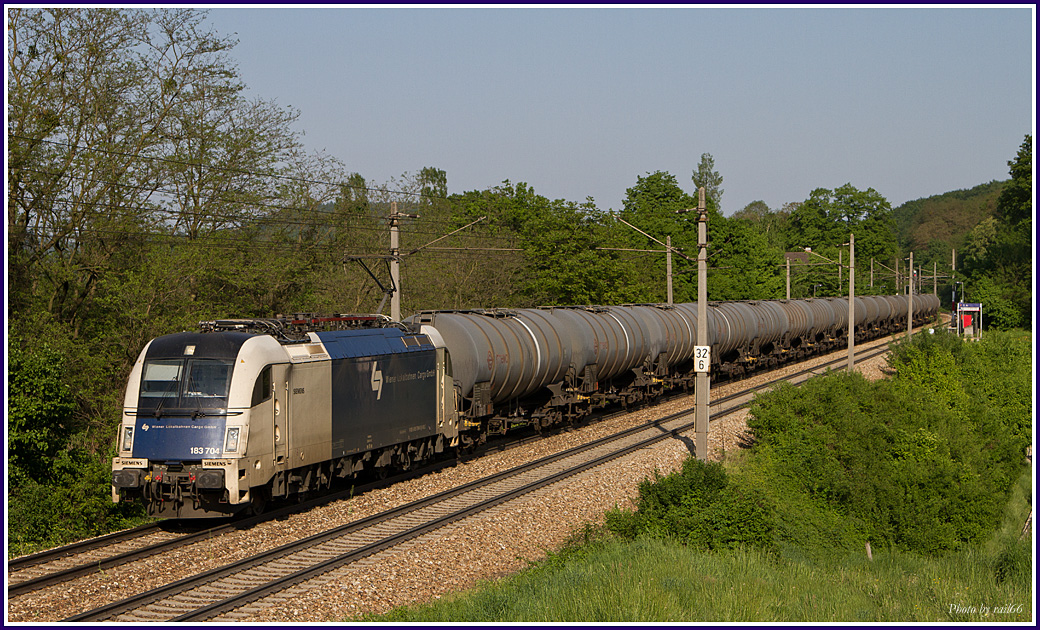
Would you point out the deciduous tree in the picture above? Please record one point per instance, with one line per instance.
(708, 178)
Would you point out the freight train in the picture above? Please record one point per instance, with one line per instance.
(223, 420)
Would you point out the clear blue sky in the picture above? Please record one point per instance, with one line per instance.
(580, 102)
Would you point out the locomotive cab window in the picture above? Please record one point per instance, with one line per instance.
(185, 383)
(208, 379)
(262, 389)
(161, 379)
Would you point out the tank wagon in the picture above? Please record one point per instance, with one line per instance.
(223, 420)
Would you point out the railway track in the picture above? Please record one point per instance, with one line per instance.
(40, 570)
(249, 582)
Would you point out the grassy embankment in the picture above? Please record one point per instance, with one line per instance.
(927, 467)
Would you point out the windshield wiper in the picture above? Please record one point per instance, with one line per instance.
(196, 395)
(162, 402)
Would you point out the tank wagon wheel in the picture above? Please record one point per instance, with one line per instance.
(467, 447)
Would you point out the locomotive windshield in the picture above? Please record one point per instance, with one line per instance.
(185, 383)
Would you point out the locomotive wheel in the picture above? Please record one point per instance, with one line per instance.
(258, 500)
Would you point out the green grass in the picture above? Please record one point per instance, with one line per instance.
(654, 580)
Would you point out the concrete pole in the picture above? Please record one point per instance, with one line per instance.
(703, 382)
(668, 248)
(910, 300)
(935, 276)
(395, 264)
(788, 278)
(872, 273)
(839, 271)
(852, 297)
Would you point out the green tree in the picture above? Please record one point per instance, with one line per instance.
(755, 212)
(823, 223)
(560, 244)
(708, 178)
(659, 207)
(1016, 199)
(433, 183)
(744, 266)
(814, 223)
(999, 262)
(91, 93)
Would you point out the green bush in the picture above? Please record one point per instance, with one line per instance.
(59, 489)
(698, 506)
(74, 503)
(39, 410)
(924, 461)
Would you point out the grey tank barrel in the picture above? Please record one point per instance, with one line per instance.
(741, 325)
(900, 305)
(521, 351)
(518, 352)
(869, 310)
(840, 308)
(884, 308)
(823, 315)
(672, 333)
(772, 321)
(799, 317)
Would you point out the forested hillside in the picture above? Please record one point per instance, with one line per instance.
(945, 219)
(147, 192)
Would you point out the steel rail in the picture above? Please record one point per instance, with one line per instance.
(191, 582)
(66, 551)
(237, 601)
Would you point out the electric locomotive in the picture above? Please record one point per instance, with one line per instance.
(222, 421)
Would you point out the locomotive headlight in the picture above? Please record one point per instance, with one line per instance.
(128, 438)
(231, 443)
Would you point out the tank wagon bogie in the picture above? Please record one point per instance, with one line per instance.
(222, 421)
